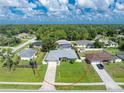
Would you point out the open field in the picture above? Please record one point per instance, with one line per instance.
(77, 72)
(23, 74)
(20, 87)
(116, 70)
(101, 87)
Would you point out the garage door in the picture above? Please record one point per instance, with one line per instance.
(95, 62)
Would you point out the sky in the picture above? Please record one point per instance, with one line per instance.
(61, 11)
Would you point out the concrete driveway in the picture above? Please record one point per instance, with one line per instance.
(49, 80)
(106, 78)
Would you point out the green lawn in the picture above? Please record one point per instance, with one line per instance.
(20, 86)
(116, 70)
(17, 51)
(40, 57)
(24, 62)
(23, 75)
(77, 72)
(113, 51)
(122, 86)
(83, 54)
(22, 41)
(101, 87)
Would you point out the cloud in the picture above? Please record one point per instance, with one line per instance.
(85, 3)
(120, 6)
(62, 10)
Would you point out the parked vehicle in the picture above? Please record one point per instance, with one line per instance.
(100, 66)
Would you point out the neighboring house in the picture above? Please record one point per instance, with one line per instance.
(23, 36)
(62, 44)
(111, 44)
(116, 59)
(84, 44)
(121, 55)
(27, 54)
(120, 36)
(36, 45)
(98, 57)
(57, 55)
(98, 37)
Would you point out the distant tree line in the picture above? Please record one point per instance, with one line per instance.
(50, 33)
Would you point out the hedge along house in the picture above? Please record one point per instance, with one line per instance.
(27, 54)
(98, 57)
(63, 44)
(57, 55)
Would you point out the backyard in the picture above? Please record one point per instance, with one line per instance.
(83, 54)
(116, 70)
(76, 72)
(113, 51)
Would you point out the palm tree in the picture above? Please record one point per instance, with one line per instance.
(9, 59)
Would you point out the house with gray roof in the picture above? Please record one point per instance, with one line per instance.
(84, 44)
(116, 59)
(37, 44)
(57, 55)
(27, 54)
(111, 44)
(64, 44)
(121, 55)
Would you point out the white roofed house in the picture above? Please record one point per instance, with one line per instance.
(27, 54)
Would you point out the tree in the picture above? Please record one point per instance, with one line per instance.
(98, 44)
(10, 60)
(121, 47)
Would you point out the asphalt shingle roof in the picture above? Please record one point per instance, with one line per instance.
(28, 53)
(63, 42)
(55, 55)
(84, 42)
(99, 56)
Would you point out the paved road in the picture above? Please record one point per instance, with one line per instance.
(49, 80)
(24, 44)
(109, 82)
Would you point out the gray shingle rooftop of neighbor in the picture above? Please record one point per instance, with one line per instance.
(55, 55)
(115, 57)
(63, 42)
(84, 42)
(121, 56)
(28, 53)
